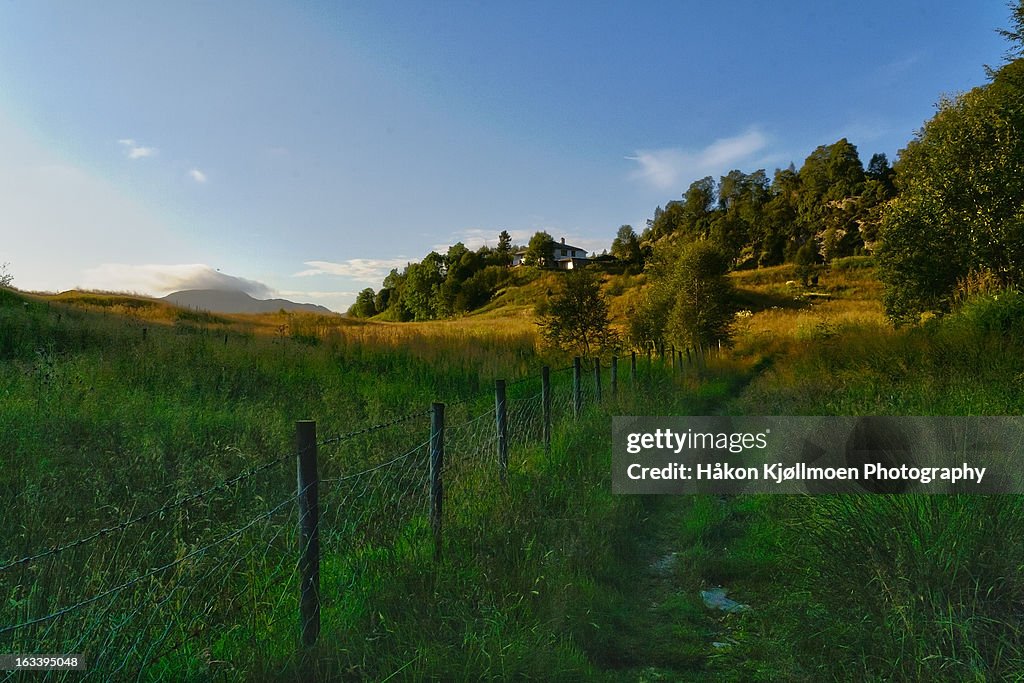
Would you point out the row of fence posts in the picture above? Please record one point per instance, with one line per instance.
(694, 355)
(308, 478)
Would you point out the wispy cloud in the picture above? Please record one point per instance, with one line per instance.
(197, 175)
(371, 271)
(136, 151)
(159, 280)
(141, 152)
(900, 69)
(671, 167)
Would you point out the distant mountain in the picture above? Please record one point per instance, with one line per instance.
(224, 301)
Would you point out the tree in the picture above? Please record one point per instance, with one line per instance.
(960, 207)
(504, 250)
(421, 294)
(383, 299)
(6, 279)
(879, 169)
(626, 246)
(576, 316)
(776, 232)
(540, 251)
(1016, 34)
(391, 298)
(647, 320)
(698, 208)
(690, 301)
(806, 262)
(703, 309)
(830, 175)
(365, 305)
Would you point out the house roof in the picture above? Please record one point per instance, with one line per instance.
(557, 245)
(563, 245)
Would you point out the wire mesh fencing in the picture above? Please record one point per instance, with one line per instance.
(190, 587)
(160, 588)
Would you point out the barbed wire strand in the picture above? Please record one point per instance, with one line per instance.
(374, 428)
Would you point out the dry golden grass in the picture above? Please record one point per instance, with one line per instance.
(776, 311)
(781, 311)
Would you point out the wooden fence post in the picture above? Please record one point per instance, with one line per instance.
(615, 377)
(501, 410)
(688, 360)
(309, 531)
(632, 368)
(436, 468)
(545, 399)
(672, 352)
(597, 380)
(577, 388)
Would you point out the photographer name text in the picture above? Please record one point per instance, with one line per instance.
(779, 473)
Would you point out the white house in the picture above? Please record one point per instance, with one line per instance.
(566, 256)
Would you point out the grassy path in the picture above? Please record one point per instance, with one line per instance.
(662, 629)
(682, 545)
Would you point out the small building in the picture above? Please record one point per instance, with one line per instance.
(566, 256)
(570, 263)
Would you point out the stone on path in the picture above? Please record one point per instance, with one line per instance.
(715, 599)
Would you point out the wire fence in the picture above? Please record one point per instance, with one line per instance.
(191, 587)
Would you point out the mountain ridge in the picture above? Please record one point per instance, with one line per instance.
(233, 301)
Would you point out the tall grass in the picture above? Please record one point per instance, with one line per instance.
(102, 423)
(906, 588)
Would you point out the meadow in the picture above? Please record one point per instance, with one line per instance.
(119, 409)
(153, 449)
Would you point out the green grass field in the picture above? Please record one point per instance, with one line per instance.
(115, 406)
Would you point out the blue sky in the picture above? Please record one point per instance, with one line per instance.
(303, 149)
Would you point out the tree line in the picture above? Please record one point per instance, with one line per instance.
(830, 206)
(441, 285)
(462, 280)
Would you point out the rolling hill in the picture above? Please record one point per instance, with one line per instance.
(222, 301)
